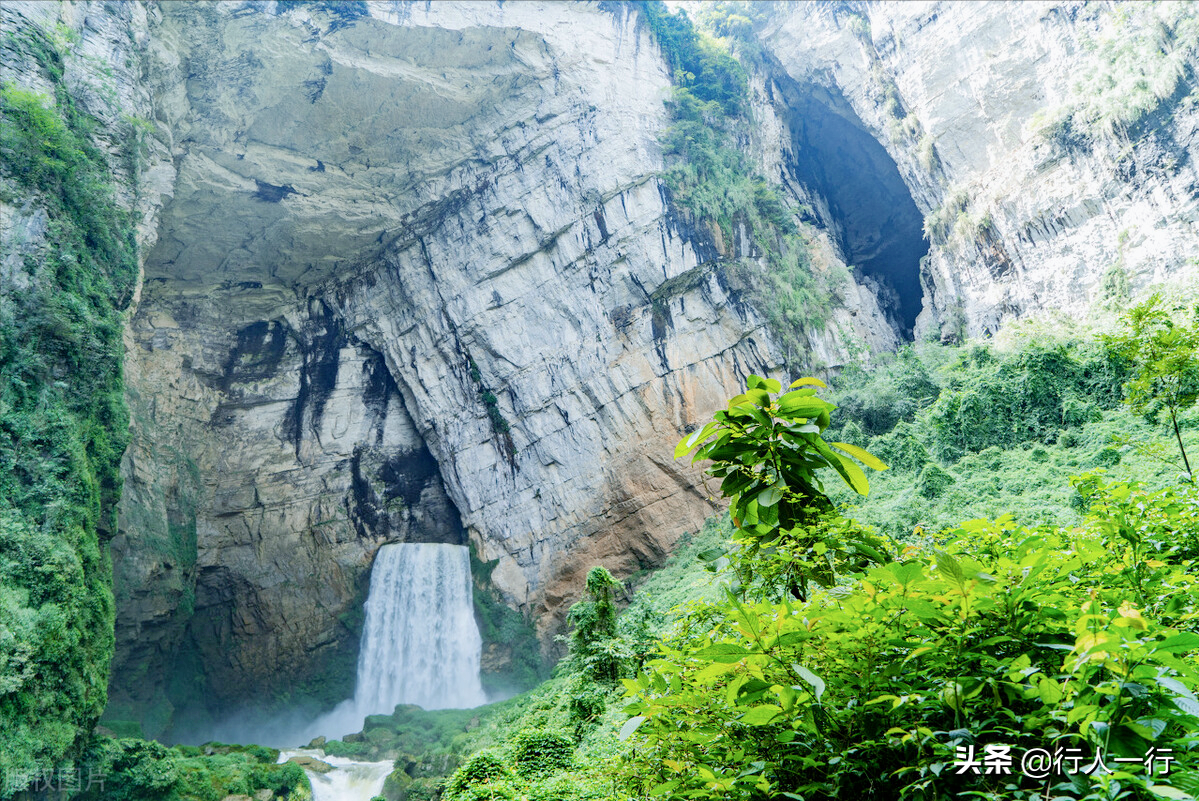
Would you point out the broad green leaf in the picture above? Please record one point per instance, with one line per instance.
(1149, 728)
(759, 397)
(723, 652)
(1187, 705)
(810, 677)
(730, 695)
(738, 400)
(771, 495)
(867, 550)
(631, 725)
(861, 454)
(761, 715)
(808, 381)
(1179, 643)
(696, 437)
(713, 670)
(1166, 791)
(853, 475)
(949, 567)
(794, 404)
(1049, 691)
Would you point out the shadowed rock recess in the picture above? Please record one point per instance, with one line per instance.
(861, 197)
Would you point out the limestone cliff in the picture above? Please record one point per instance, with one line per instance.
(409, 273)
(1050, 146)
(417, 279)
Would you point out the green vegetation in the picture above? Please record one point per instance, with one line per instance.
(1127, 70)
(710, 176)
(63, 427)
(594, 642)
(1078, 631)
(499, 424)
(802, 654)
(143, 770)
(505, 630)
(992, 634)
(1009, 423)
(1165, 352)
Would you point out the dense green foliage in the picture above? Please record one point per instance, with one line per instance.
(710, 176)
(63, 427)
(994, 634)
(990, 634)
(702, 68)
(504, 629)
(1165, 352)
(594, 642)
(144, 770)
(1030, 396)
(1027, 413)
(767, 452)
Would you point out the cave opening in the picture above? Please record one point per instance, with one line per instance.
(860, 197)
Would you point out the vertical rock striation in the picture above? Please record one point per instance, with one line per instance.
(417, 281)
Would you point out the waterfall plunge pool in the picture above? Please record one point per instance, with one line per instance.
(348, 781)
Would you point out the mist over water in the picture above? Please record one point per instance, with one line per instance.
(420, 645)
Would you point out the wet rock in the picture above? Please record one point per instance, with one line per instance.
(311, 763)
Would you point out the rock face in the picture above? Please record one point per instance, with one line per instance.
(410, 275)
(417, 280)
(1051, 146)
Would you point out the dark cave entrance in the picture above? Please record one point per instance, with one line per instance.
(860, 196)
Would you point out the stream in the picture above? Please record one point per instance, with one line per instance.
(348, 781)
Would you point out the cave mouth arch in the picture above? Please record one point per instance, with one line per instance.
(860, 197)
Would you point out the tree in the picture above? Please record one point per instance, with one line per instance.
(767, 451)
(594, 641)
(1164, 352)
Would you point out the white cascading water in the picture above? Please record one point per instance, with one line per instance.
(421, 644)
(347, 781)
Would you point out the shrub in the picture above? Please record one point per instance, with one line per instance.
(1031, 395)
(133, 770)
(1105, 457)
(901, 449)
(484, 769)
(933, 481)
(538, 753)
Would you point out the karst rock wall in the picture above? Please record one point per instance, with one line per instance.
(1052, 144)
(409, 273)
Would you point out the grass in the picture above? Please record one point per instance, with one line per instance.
(1126, 70)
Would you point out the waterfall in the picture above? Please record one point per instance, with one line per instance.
(421, 644)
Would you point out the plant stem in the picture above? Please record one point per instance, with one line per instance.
(1178, 436)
